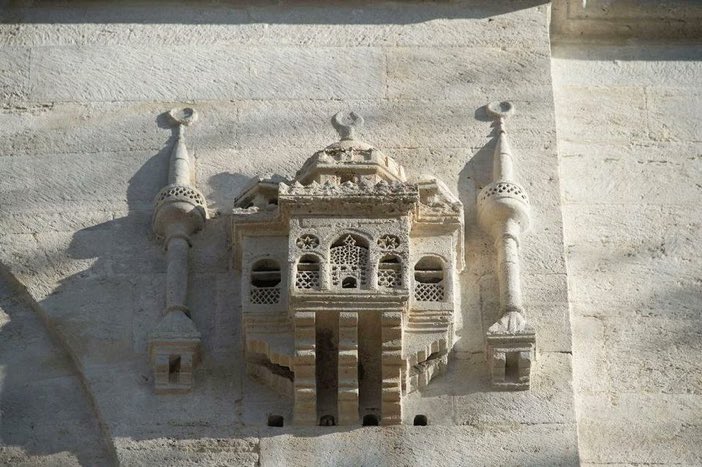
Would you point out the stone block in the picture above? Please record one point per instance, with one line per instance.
(106, 181)
(387, 24)
(70, 74)
(665, 361)
(640, 429)
(544, 444)
(647, 180)
(459, 73)
(601, 114)
(14, 74)
(591, 372)
(674, 115)
(612, 65)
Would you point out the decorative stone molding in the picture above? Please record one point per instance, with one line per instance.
(180, 211)
(503, 212)
(364, 265)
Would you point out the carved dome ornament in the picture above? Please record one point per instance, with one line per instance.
(353, 231)
(353, 253)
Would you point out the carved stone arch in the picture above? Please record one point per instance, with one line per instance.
(265, 281)
(331, 239)
(390, 271)
(308, 272)
(349, 260)
(430, 278)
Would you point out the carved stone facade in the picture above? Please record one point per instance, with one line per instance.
(349, 276)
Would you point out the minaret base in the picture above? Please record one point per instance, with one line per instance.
(509, 359)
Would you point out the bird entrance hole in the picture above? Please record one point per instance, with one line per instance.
(276, 421)
(512, 367)
(421, 420)
(327, 420)
(370, 420)
(173, 368)
(349, 283)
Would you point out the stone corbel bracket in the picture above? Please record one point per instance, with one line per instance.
(504, 213)
(180, 210)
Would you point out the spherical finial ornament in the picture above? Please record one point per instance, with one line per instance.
(185, 116)
(346, 124)
(500, 109)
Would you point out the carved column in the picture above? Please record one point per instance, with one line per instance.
(503, 211)
(305, 408)
(391, 338)
(180, 211)
(348, 368)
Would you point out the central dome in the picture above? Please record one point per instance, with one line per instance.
(349, 160)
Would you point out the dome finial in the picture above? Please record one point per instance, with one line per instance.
(346, 124)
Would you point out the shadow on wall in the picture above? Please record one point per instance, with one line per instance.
(242, 12)
(636, 51)
(45, 408)
(476, 174)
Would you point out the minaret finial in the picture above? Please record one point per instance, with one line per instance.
(500, 111)
(346, 124)
(179, 172)
(502, 159)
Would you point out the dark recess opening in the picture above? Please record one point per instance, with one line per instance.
(276, 420)
(370, 420)
(173, 368)
(349, 283)
(512, 367)
(327, 420)
(420, 420)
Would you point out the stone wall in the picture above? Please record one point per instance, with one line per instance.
(83, 152)
(630, 148)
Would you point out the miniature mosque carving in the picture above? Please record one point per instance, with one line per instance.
(349, 278)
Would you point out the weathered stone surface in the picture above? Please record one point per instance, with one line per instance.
(631, 218)
(265, 23)
(205, 72)
(47, 416)
(84, 149)
(422, 445)
(14, 74)
(458, 73)
(640, 429)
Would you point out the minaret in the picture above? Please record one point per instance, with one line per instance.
(503, 212)
(180, 210)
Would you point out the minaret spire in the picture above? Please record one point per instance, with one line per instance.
(503, 210)
(180, 211)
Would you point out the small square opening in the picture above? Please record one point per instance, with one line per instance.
(370, 420)
(512, 367)
(421, 420)
(276, 421)
(173, 368)
(327, 420)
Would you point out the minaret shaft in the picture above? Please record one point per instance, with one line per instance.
(503, 166)
(180, 211)
(179, 171)
(177, 273)
(508, 273)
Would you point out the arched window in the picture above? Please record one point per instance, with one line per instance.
(265, 282)
(390, 272)
(349, 262)
(429, 280)
(307, 275)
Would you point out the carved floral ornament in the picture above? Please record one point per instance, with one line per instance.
(334, 253)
